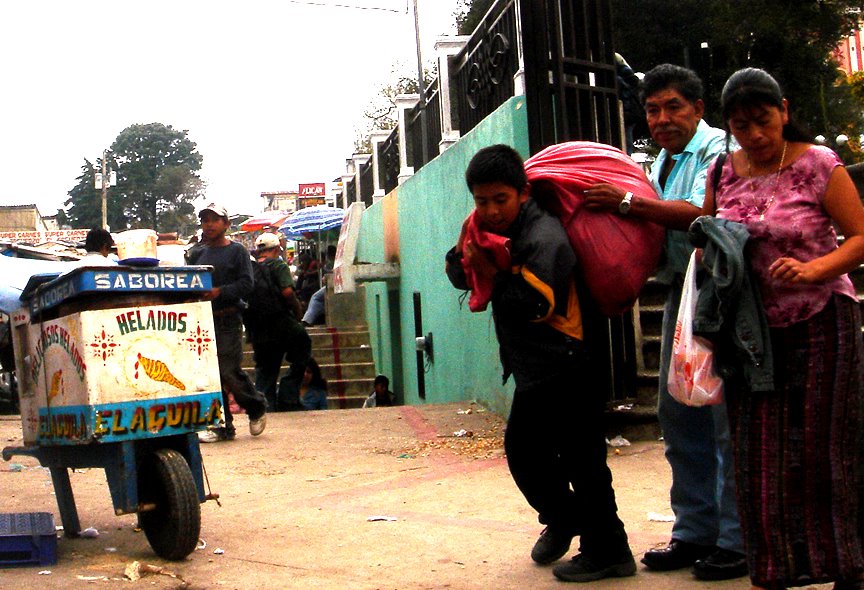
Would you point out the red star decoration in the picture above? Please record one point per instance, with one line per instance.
(199, 340)
(104, 346)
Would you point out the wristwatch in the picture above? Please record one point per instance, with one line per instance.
(624, 205)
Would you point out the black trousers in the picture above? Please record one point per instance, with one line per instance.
(556, 450)
(229, 350)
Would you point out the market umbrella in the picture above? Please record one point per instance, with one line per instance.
(265, 219)
(310, 220)
(313, 220)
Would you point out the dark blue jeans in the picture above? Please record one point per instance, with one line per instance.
(556, 450)
(229, 348)
(295, 346)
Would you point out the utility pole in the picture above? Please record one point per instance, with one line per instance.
(421, 89)
(104, 190)
(103, 181)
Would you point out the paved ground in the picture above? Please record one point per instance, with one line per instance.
(297, 502)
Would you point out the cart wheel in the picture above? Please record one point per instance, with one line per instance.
(174, 526)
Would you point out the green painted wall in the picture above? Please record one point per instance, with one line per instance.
(432, 205)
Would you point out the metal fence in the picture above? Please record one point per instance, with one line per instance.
(388, 161)
(482, 73)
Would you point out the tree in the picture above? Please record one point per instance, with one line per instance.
(791, 39)
(469, 13)
(157, 177)
(157, 182)
(380, 114)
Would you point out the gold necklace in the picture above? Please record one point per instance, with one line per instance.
(776, 181)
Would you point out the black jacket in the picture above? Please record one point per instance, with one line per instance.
(536, 310)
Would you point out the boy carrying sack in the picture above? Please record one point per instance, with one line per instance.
(555, 440)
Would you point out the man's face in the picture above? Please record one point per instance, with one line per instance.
(497, 205)
(213, 227)
(267, 253)
(672, 119)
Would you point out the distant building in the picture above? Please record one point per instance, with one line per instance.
(280, 201)
(849, 54)
(21, 218)
(23, 224)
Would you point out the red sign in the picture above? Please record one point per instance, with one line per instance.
(315, 189)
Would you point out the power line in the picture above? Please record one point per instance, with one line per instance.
(329, 5)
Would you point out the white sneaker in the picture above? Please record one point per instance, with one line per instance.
(213, 436)
(208, 436)
(256, 427)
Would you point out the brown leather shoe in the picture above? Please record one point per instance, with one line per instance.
(676, 555)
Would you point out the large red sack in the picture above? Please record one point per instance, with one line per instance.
(616, 254)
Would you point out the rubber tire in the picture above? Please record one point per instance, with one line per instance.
(174, 527)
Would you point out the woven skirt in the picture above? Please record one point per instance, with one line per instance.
(797, 453)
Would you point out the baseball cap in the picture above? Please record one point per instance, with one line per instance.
(217, 209)
(267, 241)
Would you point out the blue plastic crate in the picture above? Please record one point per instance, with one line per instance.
(27, 538)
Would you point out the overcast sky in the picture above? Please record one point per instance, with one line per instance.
(271, 91)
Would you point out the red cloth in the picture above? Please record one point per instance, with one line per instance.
(616, 254)
(498, 247)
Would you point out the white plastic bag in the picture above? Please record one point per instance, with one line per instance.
(692, 378)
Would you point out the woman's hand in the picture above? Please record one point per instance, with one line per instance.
(790, 270)
(478, 260)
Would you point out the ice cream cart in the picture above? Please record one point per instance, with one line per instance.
(117, 369)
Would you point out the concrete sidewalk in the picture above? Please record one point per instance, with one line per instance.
(298, 508)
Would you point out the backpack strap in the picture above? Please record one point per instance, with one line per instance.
(718, 171)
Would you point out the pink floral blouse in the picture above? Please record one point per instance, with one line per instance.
(795, 225)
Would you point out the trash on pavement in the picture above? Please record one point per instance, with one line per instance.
(463, 432)
(45, 573)
(618, 441)
(381, 518)
(89, 533)
(218, 551)
(16, 467)
(137, 570)
(468, 411)
(657, 517)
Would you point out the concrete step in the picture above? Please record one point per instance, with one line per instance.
(653, 293)
(345, 355)
(347, 370)
(339, 339)
(345, 358)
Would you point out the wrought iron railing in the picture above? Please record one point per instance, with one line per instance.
(423, 127)
(367, 183)
(388, 161)
(482, 73)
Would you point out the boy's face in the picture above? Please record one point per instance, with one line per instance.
(380, 387)
(213, 227)
(497, 205)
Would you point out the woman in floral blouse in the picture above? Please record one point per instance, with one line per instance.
(797, 449)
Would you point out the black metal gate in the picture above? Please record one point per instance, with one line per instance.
(571, 94)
